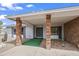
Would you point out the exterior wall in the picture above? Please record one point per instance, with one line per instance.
(29, 31)
(44, 30)
(71, 31)
(9, 34)
(14, 34)
(52, 36)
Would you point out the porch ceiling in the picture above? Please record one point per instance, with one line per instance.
(58, 17)
(56, 21)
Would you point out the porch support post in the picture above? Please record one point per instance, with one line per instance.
(63, 32)
(48, 31)
(18, 31)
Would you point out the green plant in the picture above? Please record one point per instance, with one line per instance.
(1, 23)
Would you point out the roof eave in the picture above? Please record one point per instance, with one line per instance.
(44, 12)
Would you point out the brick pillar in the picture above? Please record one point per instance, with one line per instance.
(48, 31)
(18, 31)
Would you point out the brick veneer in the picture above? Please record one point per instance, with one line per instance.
(48, 31)
(18, 31)
(71, 31)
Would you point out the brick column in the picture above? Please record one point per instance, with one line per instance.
(18, 31)
(48, 31)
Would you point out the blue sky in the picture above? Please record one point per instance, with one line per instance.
(20, 8)
(29, 7)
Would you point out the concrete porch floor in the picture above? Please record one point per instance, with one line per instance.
(37, 51)
(58, 44)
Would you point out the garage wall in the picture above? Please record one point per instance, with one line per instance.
(71, 31)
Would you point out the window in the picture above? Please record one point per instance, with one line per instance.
(57, 31)
(54, 30)
(14, 31)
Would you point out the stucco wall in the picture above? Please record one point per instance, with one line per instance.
(44, 31)
(71, 31)
(9, 34)
(29, 31)
(52, 36)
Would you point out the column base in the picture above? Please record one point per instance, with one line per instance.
(48, 44)
(18, 41)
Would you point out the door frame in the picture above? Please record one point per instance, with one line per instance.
(35, 32)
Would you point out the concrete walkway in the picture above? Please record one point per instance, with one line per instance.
(7, 47)
(37, 51)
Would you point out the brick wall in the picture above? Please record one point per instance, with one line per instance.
(71, 31)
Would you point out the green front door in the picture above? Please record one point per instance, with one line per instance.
(39, 32)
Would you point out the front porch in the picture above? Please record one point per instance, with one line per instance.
(47, 31)
(67, 21)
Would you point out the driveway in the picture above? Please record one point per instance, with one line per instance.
(37, 51)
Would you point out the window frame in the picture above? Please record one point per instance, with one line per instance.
(54, 30)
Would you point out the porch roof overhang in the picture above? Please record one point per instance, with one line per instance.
(58, 16)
